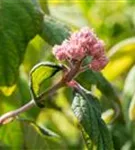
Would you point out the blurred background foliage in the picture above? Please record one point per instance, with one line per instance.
(114, 22)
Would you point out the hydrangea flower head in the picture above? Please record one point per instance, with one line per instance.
(81, 44)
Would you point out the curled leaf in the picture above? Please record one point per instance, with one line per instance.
(39, 75)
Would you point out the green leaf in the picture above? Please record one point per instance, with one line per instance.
(85, 7)
(23, 95)
(10, 133)
(129, 87)
(87, 109)
(87, 140)
(121, 55)
(39, 138)
(15, 136)
(54, 31)
(20, 21)
(132, 109)
(86, 116)
(39, 74)
(120, 135)
(28, 135)
(40, 129)
(128, 91)
(35, 49)
(108, 116)
(97, 78)
(7, 91)
(44, 6)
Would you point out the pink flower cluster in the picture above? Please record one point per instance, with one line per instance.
(81, 44)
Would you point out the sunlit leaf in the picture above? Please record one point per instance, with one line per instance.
(85, 6)
(114, 24)
(129, 89)
(11, 133)
(98, 79)
(23, 95)
(132, 109)
(108, 116)
(121, 55)
(65, 127)
(39, 74)
(7, 91)
(128, 102)
(35, 49)
(44, 6)
(87, 109)
(20, 21)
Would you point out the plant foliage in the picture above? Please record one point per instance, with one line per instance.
(100, 114)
